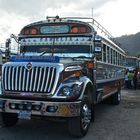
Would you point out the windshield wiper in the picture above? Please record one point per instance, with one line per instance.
(43, 53)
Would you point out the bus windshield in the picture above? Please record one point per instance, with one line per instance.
(57, 46)
(57, 50)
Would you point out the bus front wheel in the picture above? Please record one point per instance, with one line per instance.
(78, 126)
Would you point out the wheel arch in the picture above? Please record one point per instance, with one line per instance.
(89, 90)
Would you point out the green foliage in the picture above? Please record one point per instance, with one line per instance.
(130, 43)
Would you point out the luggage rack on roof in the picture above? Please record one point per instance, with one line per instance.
(92, 22)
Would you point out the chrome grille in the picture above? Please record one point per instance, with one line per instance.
(38, 79)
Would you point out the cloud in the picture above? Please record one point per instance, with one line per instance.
(15, 14)
(35, 8)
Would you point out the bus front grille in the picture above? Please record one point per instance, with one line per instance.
(37, 80)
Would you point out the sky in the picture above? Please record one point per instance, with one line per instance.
(119, 17)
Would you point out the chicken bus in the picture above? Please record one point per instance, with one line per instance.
(65, 67)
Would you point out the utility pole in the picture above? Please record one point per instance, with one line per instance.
(92, 13)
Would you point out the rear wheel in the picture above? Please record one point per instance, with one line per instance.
(115, 98)
(8, 119)
(78, 126)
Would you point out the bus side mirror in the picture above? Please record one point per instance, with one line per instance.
(97, 45)
(98, 52)
(97, 49)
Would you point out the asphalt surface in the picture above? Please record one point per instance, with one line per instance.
(121, 122)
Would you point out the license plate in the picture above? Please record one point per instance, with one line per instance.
(24, 115)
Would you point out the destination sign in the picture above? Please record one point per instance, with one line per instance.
(54, 29)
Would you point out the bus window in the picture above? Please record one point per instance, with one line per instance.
(104, 53)
(108, 55)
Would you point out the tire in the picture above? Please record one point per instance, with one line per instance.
(8, 119)
(115, 98)
(78, 126)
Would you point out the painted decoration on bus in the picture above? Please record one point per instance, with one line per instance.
(54, 29)
(56, 41)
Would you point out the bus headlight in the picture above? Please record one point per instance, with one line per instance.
(70, 90)
(66, 91)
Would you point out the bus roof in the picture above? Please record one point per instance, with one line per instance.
(96, 27)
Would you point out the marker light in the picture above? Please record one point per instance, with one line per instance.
(90, 65)
(82, 29)
(74, 30)
(29, 31)
(33, 31)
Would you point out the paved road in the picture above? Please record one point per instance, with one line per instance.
(120, 122)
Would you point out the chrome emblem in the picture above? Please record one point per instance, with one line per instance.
(28, 66)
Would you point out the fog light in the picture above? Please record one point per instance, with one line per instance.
(20, 107)
(51, 108)
(29, 107)
(13, 106)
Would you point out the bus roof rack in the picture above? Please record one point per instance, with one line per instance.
(95, 23)
(53, 17)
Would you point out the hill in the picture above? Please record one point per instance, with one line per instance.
(130, 43)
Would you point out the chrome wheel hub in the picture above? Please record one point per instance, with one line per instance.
(86, 116)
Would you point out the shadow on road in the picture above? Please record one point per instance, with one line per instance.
(110, 124)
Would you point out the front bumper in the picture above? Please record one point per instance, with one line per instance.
(41, 108)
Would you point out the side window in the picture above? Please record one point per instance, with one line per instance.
(98, 51)
(104, 53)
(111, 57)
(108, 55)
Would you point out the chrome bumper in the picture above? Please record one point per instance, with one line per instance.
(41, 108)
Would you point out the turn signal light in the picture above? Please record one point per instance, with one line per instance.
(77, 73)
(90, 65)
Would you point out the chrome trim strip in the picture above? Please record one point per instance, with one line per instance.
(5, 82)
(35, 78)
(23, 84)
(105, 96)
(16, 79)
(52, 76)
(108, 80)
(20, 72)
(100, 89)
(31, 83)
(44, 75)
(13, 70)
(27, 80)
(48, 75)
(9, 78)
(40, 72)
(73, 68)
